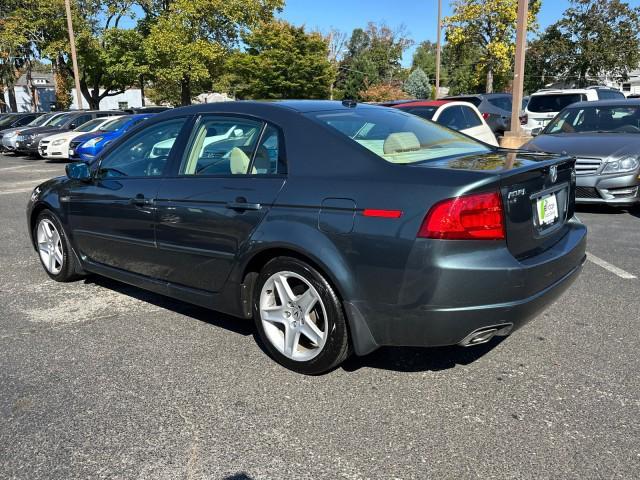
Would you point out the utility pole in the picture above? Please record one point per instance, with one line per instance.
(515, 135)
(74, 59)
(438, 49)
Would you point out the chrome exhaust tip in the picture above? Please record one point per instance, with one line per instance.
(484, 334)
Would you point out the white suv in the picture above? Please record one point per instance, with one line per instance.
(546, 104)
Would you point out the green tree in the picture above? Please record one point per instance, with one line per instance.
(488, 27)
(373, 57)
(281, 61)
(460, 62)
(595, 38)
(417, 85)
(189, 42)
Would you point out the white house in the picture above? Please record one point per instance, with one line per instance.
(131, 98)
(44, 91)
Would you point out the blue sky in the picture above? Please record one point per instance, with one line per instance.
(418, 16)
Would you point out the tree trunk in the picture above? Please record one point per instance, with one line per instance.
(185, 90)
(489, 85)
(142, 101)
(12, 97)
(3, 105)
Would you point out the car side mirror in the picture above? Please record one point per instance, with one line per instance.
(72, 126)
(536, 131)
(78, 171)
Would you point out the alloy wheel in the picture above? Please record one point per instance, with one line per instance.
(293, 316)
(50, 246)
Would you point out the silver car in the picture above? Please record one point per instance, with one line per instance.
(9, 137)
(604, 137)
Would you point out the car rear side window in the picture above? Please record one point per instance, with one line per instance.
(396, 136)
(610, 95)
(471, 118)
(553, 102)
(221, 145)
(503, 103)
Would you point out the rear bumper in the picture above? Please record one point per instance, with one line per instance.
(456, 299)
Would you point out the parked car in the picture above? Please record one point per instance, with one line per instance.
(28, 141)
(604, 136)
(85, 147)
(9, 136)
(56, 146)
(150, 109)
(13, 120)
(460, 116)
(544, 105)
(494, 107)
(336, 227)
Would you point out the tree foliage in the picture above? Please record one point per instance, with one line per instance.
(189, 42)
(372, 57)
(487, 27)
(594, 39)
(382, 92)
(417, 84)
(281, 61)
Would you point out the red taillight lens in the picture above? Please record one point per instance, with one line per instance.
(485, 115)
(471, 217)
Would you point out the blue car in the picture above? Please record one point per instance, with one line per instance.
(87, 146)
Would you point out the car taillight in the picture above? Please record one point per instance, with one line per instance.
(485, 115)
(478, 216)
(524, 119)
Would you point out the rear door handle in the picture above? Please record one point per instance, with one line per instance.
(242, 204)
(140, 201)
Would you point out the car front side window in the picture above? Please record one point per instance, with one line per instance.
(144, 154)
(221, 145)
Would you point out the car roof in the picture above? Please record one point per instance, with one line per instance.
(244, 106)
(627, 102)
(560, 91)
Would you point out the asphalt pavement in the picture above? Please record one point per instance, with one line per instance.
(101, 380)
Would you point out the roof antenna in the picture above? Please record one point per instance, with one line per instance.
(349, 103)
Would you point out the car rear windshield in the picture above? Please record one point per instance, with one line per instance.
(90, 125)
(398, 137)
(115, 125)
(618, 119)
(553, 102)
(503, 103)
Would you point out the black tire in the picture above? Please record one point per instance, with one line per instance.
(336, 347)
(70, 270)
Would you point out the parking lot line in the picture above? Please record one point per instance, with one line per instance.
(612, 268)
(17, 167)
(16, 190)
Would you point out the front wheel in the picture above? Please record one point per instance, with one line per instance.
(54, 249)
(299, 317)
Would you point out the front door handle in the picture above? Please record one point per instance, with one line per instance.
(242, 204)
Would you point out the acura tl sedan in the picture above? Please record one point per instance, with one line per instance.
(336, 227)
(604, 136)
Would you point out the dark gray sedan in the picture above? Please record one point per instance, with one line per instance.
(335, 227)
(604, 137)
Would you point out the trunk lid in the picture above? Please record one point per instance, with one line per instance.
(526, 179)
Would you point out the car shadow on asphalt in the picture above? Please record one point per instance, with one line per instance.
(605, 209)
(419, 359)
(217, 319)
(400, 359)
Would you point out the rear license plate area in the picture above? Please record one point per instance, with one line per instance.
(549, 209)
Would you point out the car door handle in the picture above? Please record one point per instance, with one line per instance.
(140, 201)
(242, 204)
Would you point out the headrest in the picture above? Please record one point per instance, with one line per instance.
(238, 161)
(400, 142)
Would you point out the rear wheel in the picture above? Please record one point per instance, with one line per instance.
(299, 317)
(54, 249)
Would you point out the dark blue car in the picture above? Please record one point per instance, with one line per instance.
(87, 146)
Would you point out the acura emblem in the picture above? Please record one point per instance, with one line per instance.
(553, 173)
